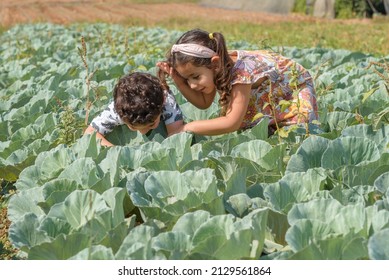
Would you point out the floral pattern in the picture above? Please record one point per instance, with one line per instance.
(272, 94)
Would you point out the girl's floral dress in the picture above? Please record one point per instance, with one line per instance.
(282, 89)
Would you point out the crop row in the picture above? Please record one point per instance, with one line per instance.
(238, 196)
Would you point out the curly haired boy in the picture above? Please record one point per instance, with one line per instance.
(140, 102)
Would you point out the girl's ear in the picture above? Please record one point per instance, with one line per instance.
(215, 62)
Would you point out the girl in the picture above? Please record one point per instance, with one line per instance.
(251, 84)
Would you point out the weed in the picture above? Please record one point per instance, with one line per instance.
(385, 71)
(383, 115)
(69, 127)
(88, 77)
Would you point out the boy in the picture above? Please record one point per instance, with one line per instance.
(140, 102)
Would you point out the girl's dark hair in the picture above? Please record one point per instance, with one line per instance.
(214, 41)
(138, 98)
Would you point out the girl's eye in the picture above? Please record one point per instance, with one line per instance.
(196, 77)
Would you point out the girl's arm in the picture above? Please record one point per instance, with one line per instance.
(198, 99)
(240, 96)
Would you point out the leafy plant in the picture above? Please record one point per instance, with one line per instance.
(322, 196)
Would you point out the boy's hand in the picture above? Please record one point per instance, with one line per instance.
(103, 142)
(176, 127)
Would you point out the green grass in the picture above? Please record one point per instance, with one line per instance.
(371, 37)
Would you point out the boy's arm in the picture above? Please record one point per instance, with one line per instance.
(172, 115)
(104, 141)
(104, 123)
(175, 127)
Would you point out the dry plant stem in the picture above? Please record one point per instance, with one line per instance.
(83, 53)
(385, 77)
(318, 72)
(294, 85)
(88, 78)
(272, 106)
(385, 67)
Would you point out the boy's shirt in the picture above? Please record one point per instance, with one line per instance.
(108, 119)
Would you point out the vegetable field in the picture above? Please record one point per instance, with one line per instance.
(318, 192)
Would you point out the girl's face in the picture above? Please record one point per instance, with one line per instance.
(199, 78)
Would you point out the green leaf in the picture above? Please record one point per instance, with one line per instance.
(318, 209)
(81, 206)
(259, 131)
(24, 233)
(308, 155)
(294, 187)
(239, 204)
(175, 245)
(254, 150)
(339, 120)
(334, 248)
(97, 252)
(382, 183)
(304, 232)
(166, 195)
(378, 245)
(367, 94)
(56, 191)
(137, 244)
(84, 171)
(122, 135)
(61, 248)
(25, 202)
(223, 237)
(191, 113)
(190, 222)
(114, 197)
(181, 143)
(365, 173)
(380, 136)
(349, 150)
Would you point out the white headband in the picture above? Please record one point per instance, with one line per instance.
(193, 50)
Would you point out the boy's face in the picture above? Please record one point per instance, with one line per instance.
(144, 128)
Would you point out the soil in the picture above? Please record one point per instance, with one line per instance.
(6, 250)
(118, 11)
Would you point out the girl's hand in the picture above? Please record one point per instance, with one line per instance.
(165, 67)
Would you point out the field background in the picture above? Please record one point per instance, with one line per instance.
(364, 35)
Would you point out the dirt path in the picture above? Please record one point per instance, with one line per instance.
(118, 11)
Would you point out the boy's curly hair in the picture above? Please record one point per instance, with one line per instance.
(138, 98)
